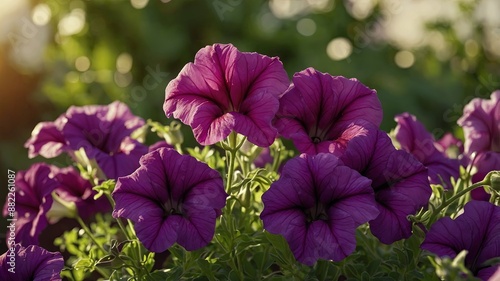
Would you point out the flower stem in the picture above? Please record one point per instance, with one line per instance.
(89, 233)
(118, 220)
(455, 198)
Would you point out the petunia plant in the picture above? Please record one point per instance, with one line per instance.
(291, 180)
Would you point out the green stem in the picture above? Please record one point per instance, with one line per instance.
(454, 198)
(120, 223)
(89, 233)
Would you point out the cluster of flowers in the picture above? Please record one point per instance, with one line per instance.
(349, 172)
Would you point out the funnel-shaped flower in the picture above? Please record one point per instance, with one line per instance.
(171, 198)
(227, 90)
(415, 139)
(477, 230)
(481, 125)
(103, 131)
(317, 111)
(31, 263)
(33, 200)
(317, 204)
(399, 180)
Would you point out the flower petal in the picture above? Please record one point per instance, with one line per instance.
(477, 230)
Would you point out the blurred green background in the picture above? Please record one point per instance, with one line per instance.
(426, 57)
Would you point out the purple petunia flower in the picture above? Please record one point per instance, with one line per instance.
(415, 139)
(317, 111)
(103, 131)
(477, 230)
(317, 204)
(227, 90)
(481, 125)
(399, 180)
(73, 188)
(171, 198)
(33, 200)
(30, 263)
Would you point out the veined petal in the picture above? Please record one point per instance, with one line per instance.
(227, 90)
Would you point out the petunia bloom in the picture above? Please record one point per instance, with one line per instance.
(71, 187)
(102, 131)
(477, 230)
(481, 124)
(399, 180)
(171, 198)
(226, 90)
(33, 200)
(415, 139)
(317, 111)
(30, 263)
(317, 204)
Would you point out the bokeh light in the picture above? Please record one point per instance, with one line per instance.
(306, 27)
(72, 23)
(41, 14)
(404, 59)
(339, 48)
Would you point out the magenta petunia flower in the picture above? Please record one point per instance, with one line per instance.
(481, 124)
(171, 198)
(30, 263)
(73, 188)
(477, 230)
(102, 130)
(227, 90)
(317, 111)
(317, 204)
(33, 200)
(399, 180)
(415, 139)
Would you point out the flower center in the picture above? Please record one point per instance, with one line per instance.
(317, 212)
(315, 139)
(172, 208)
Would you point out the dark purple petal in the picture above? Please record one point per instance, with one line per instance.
(46, 140)
(415, 139)
(225, 90)
(481, 124)
(317, 204)
(171, 198)
(124, 161)
(33, 200)
(316, 109)
(477, 230)
(399, 180)
(31, 263)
